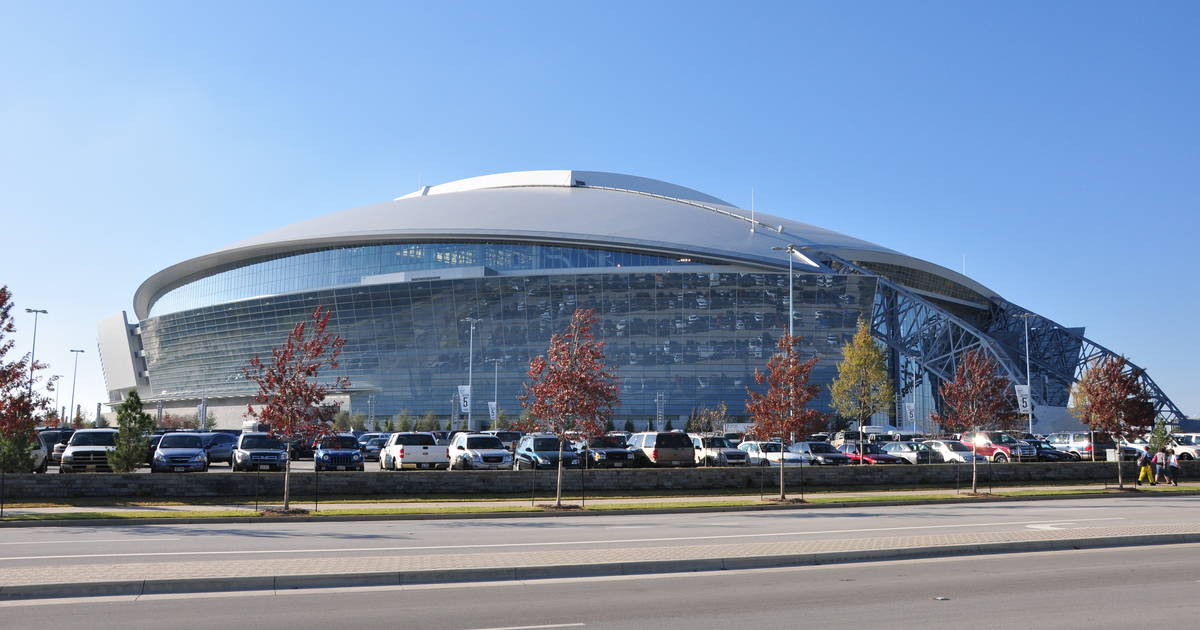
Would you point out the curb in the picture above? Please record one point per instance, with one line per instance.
(135, 588)
(117, 522)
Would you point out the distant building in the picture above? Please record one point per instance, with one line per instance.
(692, 294)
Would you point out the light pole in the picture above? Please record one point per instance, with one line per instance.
(33, 352)
(791, 250)
(57, 390)
(1028, 374)
(495, 387)
(74, 374)
(470, 367)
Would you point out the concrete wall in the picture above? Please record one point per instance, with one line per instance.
(393, 484)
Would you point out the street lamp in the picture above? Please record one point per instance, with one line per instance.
(74, 374)
(470, 367)
(495, 386)
(1028, 373)
(33, 352)
(57, 391)
(791, 250)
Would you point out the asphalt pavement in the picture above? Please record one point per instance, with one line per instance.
(1108, 588)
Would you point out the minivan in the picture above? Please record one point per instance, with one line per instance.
(663, 449)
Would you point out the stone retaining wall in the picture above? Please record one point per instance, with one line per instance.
(417, 483)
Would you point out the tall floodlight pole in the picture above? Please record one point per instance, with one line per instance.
(790, 249)
(74, 375)
(33, 352)
(470, 368)
(57, 390)
(1028, 373)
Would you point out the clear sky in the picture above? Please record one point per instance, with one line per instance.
(1053, 145)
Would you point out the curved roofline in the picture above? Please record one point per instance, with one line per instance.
(705, 229)
(568, 179)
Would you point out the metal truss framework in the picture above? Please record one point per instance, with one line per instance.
(918, 329)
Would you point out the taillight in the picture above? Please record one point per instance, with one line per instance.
(400, 453)
(1088, 448)
(654, 454)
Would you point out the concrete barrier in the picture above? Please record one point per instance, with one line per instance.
(417, 483)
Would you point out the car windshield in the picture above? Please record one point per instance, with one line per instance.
(181, 441)
(548, 444)
(673, 440)
(508, 436)
(608, 441)
(1004, 438)
(771, 447)
(339, 442)
(717, 442)
(416, 439)
(98, 438)
(872, 449)
(376, 443)
(484, 442)
(956, 446)
(261, 441)
(821, 447)
(1189, 440)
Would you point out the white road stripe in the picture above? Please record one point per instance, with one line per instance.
(540, 544)
(77, 541)
(553, 625)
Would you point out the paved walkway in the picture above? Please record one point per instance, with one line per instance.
(732, 498)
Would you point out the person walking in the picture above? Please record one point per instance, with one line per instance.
(1145, 471)
(1160, 465)
(1173, 467)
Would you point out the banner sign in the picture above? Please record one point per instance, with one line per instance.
(910, 413)
(492, 410)
(464, 398)
(1024, 401)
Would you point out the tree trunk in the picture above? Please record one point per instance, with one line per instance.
(974, 468)
(287, 487)
(558, 490)
(1120, 473)
(782, 450)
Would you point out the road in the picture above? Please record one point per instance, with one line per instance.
(55, 548)
(1112, 588)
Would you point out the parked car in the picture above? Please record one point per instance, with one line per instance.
(606, 451)
(541, 451)
(999, 446)
(55, 441)
(373, 448)
(869, 453)
(1046, 451)
(338, 452)
(769, 454)
(1082, 444)
(509, 438)
(819, 453)
(179, 452)
(413, 450)
(259, 451)
(717, 451)
(953, 451)
(1186, 445)
(367, 437)
(152, 445)
(914, 452)
(478, 451)
(662, 449)
(219, 447)
(87, 451)
(442, 437)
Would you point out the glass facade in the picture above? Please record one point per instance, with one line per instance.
(695, 336)
(325, 268)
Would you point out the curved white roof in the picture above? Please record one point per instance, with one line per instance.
(564, 207)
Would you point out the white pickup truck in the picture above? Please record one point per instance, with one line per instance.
(413, 450)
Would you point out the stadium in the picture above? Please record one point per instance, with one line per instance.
(461, 283)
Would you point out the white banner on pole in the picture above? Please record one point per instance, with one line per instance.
(464, 398)
(910, 414)
(1024, 402)
(492, 410)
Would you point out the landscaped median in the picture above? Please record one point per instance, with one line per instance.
(93, 512)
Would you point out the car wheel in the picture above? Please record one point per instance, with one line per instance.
(1000, 458)
(46, 466)
(1182, 457)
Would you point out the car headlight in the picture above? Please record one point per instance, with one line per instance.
(601, 455)
(476, 457)
(159, 457)
(325, 456)
(356, 457)
(283, 455)
(200, 458)
(67, 458)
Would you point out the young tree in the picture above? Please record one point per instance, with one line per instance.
(177, 422)
(862, 388)
(977, 398)
(134, 426)
(570, 389)
(502, 422)
(358, 422)
(428, 422)
(289, 390)
(19, 402)
(782, 410)
(1115, 402)
(403, 421)
(629, 426)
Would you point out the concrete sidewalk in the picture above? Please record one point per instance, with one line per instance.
(264, 574)
(249, 509)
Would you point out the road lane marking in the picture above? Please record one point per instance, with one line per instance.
(76, 542)
(1050, 527)
(553, 625)
(536, 544)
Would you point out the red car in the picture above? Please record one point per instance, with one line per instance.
(870, 454)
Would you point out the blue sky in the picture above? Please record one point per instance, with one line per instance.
(1054, 145)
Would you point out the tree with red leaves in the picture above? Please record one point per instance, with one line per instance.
(289, 391)
(781, 411)
(1110, 398)
(570, 390)
(977, 398)
(19, 403)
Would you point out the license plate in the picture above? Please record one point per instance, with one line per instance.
(179, 469)
(341, 468)
(618, 464)
(676, 463)
(424, 465)
(264, 467)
